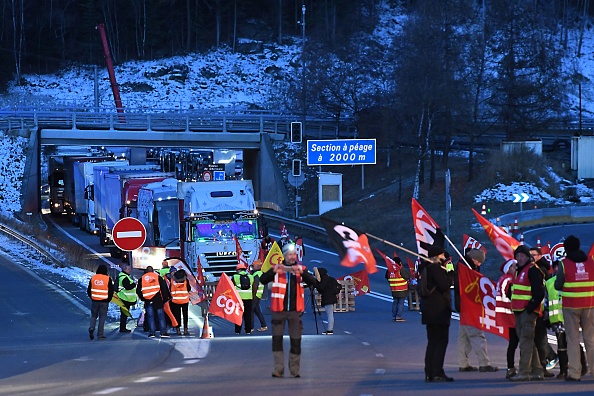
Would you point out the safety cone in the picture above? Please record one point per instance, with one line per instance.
(206, 332)
(538, 241)
(516, 227)
(521, 238)
(484, 210)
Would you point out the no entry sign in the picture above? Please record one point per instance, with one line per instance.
(129, 234)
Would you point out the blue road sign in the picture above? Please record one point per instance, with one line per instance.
(341, 152)
(218, 175)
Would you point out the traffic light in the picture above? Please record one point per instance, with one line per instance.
(296, 167)
(296, 132)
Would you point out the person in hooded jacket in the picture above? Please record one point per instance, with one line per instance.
(575, 280)
(100, 291)
(328, 287)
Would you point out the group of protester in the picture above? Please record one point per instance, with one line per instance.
(531, 296)
(165, 291)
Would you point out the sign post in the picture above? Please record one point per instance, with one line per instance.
(521, 198)
(129, 234)
(341, 152)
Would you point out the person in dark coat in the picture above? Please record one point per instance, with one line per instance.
(153, 290)
(436, 310)
(328, 287)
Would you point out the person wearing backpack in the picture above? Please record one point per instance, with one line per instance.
(436, 309)
(244, 283)
(328, 287)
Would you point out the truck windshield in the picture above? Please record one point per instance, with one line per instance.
(225, 230)
(168, 221)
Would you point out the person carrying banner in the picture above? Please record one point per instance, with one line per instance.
(287, 303)
(100, 290)
(469, 337)
(244, 283)
(397, 276)
(256, 308)
(126, 293)
(575, 280)
(436, 309)
(527, 294)
(504, 316)
(152, 289)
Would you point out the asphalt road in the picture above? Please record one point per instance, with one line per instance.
(45, 350)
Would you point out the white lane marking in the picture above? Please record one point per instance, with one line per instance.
(109, 391)
(365, 343)
(379, 296)
(380, 371)
(129, 234)
(146, 379)
(191, 361)
(173, 370)
(379, 355)
(347, 332)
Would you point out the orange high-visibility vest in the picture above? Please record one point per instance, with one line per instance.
(179, 293)
(150, 285)
(99, 287)
(522, 291)
(397, 282)
(504, 315)
(578, 289)
(279, 289)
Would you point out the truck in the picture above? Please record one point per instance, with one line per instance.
(110, 196)
(84, 181)
(213, 215)
(158, 211)
(56, 185)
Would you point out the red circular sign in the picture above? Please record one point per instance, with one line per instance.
(129, 234)
(557, 252)
(207, 176)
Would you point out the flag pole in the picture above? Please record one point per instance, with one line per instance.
(457, 251)
(398, 247)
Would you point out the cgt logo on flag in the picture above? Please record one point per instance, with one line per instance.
(360, 281)
(352, 245)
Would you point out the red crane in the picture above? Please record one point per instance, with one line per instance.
(112, 78)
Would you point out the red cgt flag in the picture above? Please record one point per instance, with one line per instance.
(226, 302)
(352, 245)
(391, 264)
(505, 243)
(469, 242)
(477, 302)
(360, 280)
(411, 267)
(427, 232)
(591, 252)
(239, 252)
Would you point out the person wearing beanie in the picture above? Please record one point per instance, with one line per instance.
(180, 288)
(469, 337)
(246, 288)
(287, 303)
(100, 290)
(527, 293)
(256, 308)
(153, 291)
(575, 280)
(436, 310)
(504, 316)
(545, 352)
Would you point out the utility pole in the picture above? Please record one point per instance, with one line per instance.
(303, 62)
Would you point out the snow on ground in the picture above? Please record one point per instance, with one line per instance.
(501, 192)
(12, 166)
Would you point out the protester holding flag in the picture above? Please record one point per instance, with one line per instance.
(527, 293)
(287, 303)
(575, 278)
(397, 276)
(504, 316)
(126, 293)
(329, 289)
(470, 337)
(100, 290)
(244, 283)
(436, 310)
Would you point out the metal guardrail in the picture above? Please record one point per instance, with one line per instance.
(295, 223)
(548, 216)
(32, 244)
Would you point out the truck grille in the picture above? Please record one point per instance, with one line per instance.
(219, 262)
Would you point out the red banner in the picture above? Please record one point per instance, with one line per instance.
(226, 302)
(352, 245)
(196, 292)
(477, 302)
(239, 252)
(504, 243)
(300, 249)
(411, 267)
(361, 281)
(591, 252)
(390, 264)
(469, 242)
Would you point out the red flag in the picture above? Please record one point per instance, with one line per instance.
(261, 255)
(360, 280)
(226, 302)
(469, 242)
(391, 264)
(505, 243)
(352, 245)
(196, 292)
(283, 231)
(411, 267)
(427, 231)
(200, 271)
(477, 302)
(239, 253)
(591, 252)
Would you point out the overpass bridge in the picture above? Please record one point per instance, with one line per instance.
(249, 130)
